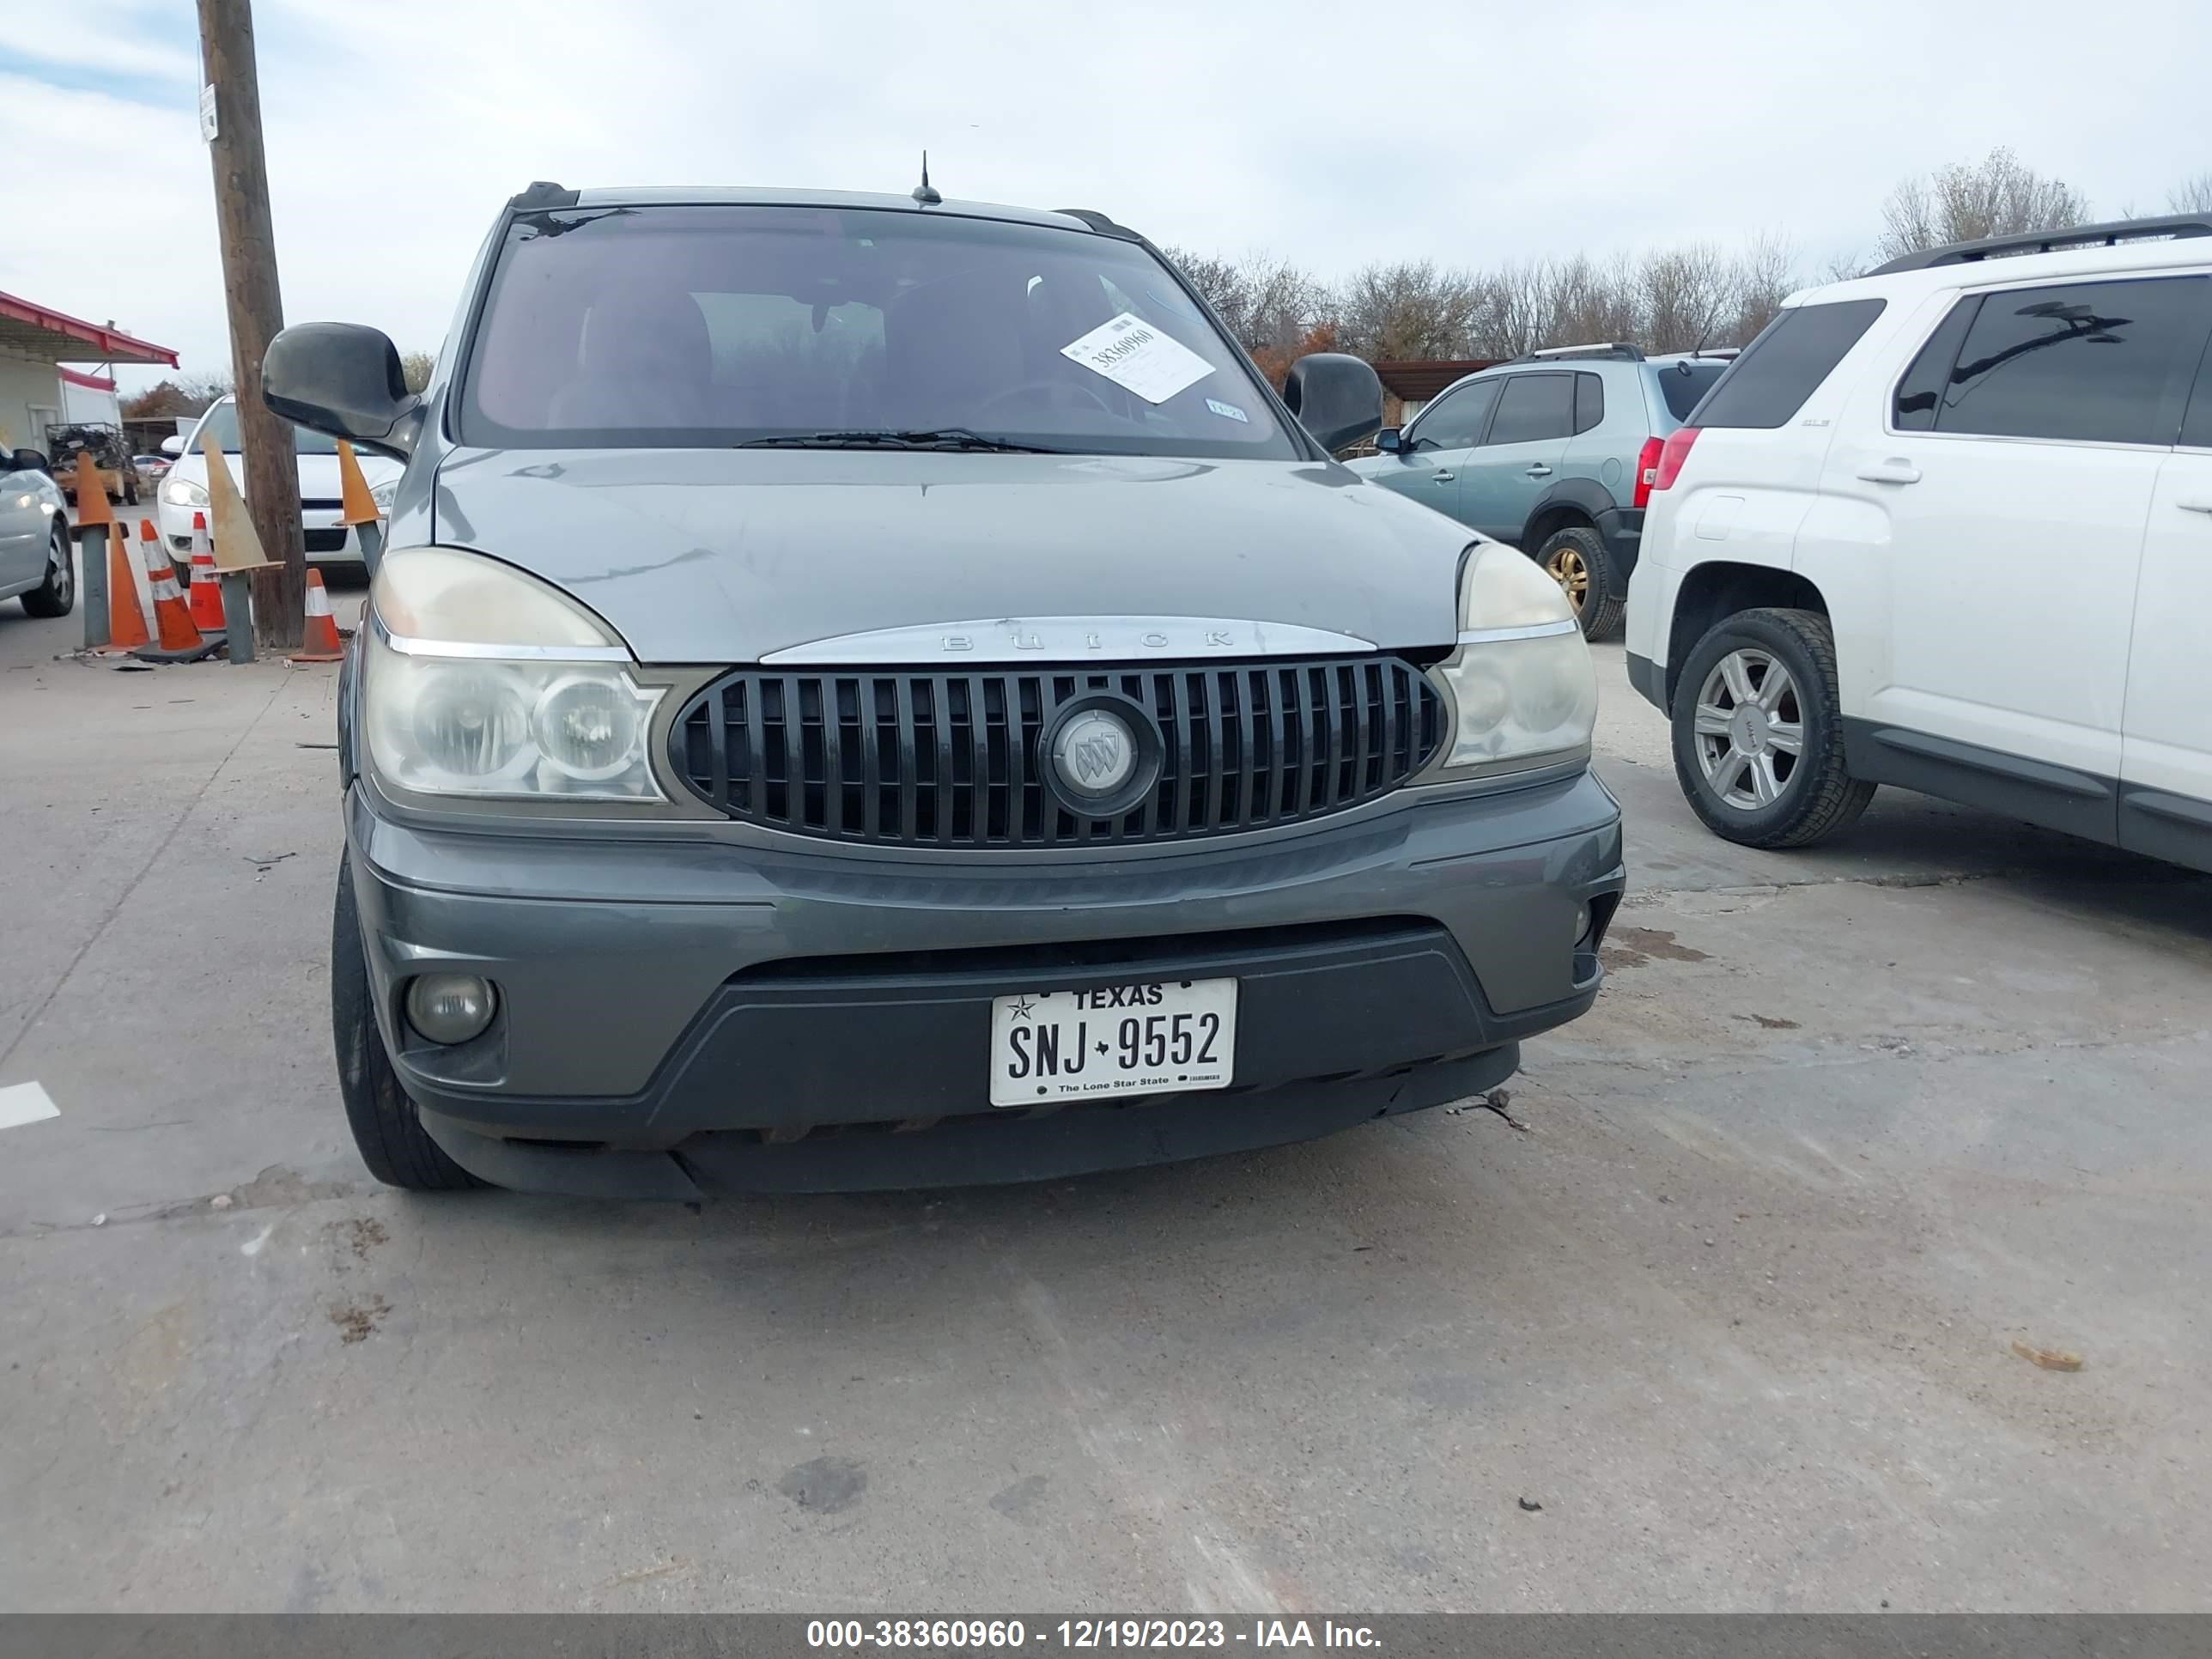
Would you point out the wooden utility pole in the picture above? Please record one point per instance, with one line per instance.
(256, 312)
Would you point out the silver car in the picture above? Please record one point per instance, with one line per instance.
(875, 691)
(34, 536)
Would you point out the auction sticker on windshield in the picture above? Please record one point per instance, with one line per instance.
(1131, 353)
(1148, 1038)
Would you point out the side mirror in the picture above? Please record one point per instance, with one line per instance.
(1390, 441)
(1336, 396)
(173, 444)
(29, 461)
(344, 381)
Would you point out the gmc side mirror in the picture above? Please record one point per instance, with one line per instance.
(342, 379)
(1336, 396)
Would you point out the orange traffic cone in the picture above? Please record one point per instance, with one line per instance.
(126, 622)
(172, 618)
(207, 581)
(322, 644)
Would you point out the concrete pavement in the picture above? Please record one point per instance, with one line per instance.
(1736, 1309)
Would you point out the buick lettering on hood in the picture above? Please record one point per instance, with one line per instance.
(873, 691)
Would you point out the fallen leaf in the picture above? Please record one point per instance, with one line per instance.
(2051, 1359)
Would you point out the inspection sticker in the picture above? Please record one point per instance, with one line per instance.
(1133, 353)
(1228, 411)
(25, 1102)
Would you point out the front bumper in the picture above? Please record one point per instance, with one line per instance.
(329, 540)
(685, 1014)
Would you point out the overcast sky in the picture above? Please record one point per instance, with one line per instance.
(1458, 130)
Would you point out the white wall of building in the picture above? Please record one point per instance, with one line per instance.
(30, 396)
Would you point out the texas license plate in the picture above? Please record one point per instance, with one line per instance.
(1152, 1037)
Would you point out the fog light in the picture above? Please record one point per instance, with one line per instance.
(450, 1008)
(1581, 922)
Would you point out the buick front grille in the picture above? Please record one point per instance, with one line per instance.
(899, 757)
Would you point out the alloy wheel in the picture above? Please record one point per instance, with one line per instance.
(64, 574)
(1571, 571)
(1749, 729)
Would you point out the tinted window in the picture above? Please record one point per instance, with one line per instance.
(679, 326)
(1534, 406)
(1589, 401)
(1455, 420)
(1769, 383)
(1914, 407)
(2090, 361)
(1682, 384)
(2197, 424)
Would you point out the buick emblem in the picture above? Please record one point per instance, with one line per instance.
(1095, 753)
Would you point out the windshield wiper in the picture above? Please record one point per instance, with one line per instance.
(949, 437)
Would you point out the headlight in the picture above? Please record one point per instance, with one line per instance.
(479, 680)
(382, 494)
(1522, 679)
(183, 492)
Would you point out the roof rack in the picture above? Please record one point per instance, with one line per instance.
(1619, 349)
(2177, 226)
(1099, 222)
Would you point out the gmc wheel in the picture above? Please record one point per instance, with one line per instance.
(1759, 744)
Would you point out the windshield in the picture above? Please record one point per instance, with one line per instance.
(689, 326)
(221, 421)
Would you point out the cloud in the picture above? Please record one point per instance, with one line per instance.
(109, 51)
(1333, 136)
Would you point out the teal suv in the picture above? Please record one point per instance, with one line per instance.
(1555, 452)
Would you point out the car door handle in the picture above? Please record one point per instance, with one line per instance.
(1442, 478)
(1894, 471)
(1539, 470)
(2195, 507)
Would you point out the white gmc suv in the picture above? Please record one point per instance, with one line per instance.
(1948, 526)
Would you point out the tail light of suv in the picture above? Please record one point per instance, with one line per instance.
(1671, 454)
(1647, 471)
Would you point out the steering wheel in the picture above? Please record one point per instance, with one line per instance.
(1054, 394)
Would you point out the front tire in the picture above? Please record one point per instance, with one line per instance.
(57, 596)
(1759, 740)
(385, 1126)
(1576, 558)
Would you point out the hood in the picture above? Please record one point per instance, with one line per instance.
(727, 555)
(318, 474)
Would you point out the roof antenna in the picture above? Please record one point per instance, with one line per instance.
(924, 193)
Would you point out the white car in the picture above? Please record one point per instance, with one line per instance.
(1949, 527)
(184, 492)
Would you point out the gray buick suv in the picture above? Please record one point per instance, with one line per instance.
(876, 691)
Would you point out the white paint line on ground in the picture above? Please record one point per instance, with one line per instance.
(25, 1102)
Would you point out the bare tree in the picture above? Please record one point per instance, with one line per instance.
(1218, 279)
(1584, 303)
(1997, 196)
(1687, 295)
(1412, 309)
(2191, 195)
(1765, 274)
(415, 369)
(1266, 301)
